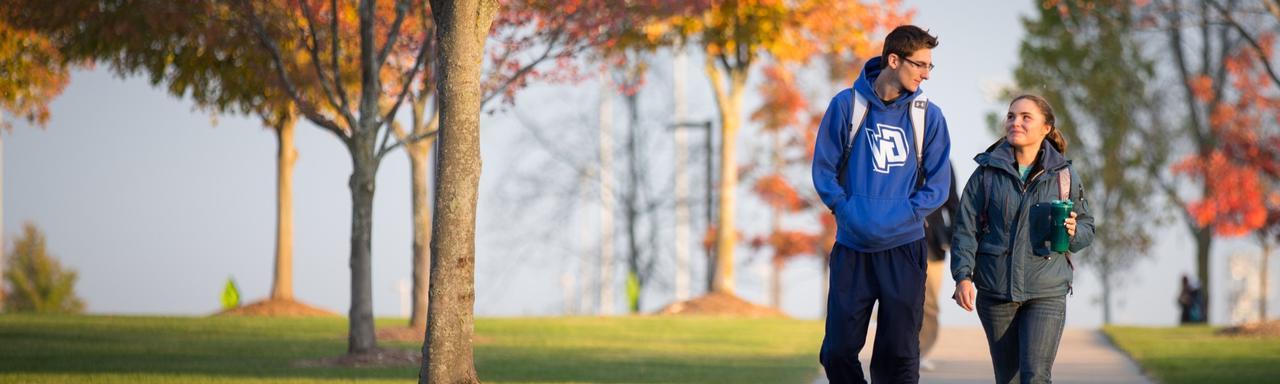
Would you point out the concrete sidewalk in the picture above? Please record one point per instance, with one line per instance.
(1085, 356)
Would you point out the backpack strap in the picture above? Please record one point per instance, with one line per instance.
(918, 106)
(1064, 193)
(983, 219)
(857, 116)
(1064, 184)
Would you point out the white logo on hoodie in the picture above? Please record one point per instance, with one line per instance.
(888, 147)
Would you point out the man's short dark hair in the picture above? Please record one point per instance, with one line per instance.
(906, 39)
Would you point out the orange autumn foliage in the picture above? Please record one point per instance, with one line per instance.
(35, 74)
(778, 193)
(1234, 205)
(1237, 199)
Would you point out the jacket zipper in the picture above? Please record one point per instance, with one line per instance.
(1022, 200)
(1013, 236)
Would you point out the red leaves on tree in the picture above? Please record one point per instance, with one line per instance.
(783, 103)
(1237, 198)
(563, 33)
(1234, 205)
(778, 193)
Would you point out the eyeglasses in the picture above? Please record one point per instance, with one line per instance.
(918, 64)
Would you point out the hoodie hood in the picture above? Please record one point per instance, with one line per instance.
(870, 178)
(865, 84)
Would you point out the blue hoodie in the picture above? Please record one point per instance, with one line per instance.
(880, 206)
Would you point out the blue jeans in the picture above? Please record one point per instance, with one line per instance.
(1023, 336)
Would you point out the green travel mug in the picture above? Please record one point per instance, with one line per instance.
(1059, 211)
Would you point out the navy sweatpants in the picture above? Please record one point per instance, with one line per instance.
(896, 278)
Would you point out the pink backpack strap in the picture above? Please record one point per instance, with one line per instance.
(1064, 193)
(1064, 184)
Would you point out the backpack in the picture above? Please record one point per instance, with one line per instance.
(1064, 193)
(859, 116)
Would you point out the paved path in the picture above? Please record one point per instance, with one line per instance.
(960, 356)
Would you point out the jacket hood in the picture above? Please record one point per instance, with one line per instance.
(1000, 155)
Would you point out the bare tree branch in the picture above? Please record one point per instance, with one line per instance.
(306, 107)
(1262, 54)
(1175, 42)
(334, 51)
(525, 69)
(386, 135)
(314, 49)
(406, 81)
(1172, 193)
(411, 139)
(402, 7)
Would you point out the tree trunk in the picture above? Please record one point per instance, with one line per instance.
(1105, 271)
(710, 247)
(1204, 243)
(632, 203)
(364, 169)
(286, 157)
(775, 284)
(361, 338)
(419, 164)
(462, 26)
(729, 104)
(1264, 271)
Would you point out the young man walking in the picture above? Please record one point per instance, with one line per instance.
(881, 166)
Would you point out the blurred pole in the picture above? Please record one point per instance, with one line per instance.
(679, 62)
(584, 263)
(775, 224)
(711, 219)
(3, 250)
(711, 206)
(404, 289)
(566, 289)
(606, 196)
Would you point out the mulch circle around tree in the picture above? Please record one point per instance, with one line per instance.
(277, 308)
(401, 334)
(720, 304)
(1255, 329)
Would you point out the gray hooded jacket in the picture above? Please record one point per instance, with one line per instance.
(1009, 257)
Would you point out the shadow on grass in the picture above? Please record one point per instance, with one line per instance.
(521, 350)
(510, 365)
(259, 348)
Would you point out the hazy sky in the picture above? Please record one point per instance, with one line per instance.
(156, 205)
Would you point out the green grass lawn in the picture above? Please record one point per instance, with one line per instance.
(568, 350)
(1197, 355)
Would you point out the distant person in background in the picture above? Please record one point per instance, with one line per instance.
(937, 233)
(1189, 299)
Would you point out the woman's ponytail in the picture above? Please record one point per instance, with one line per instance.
(1059, 142)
